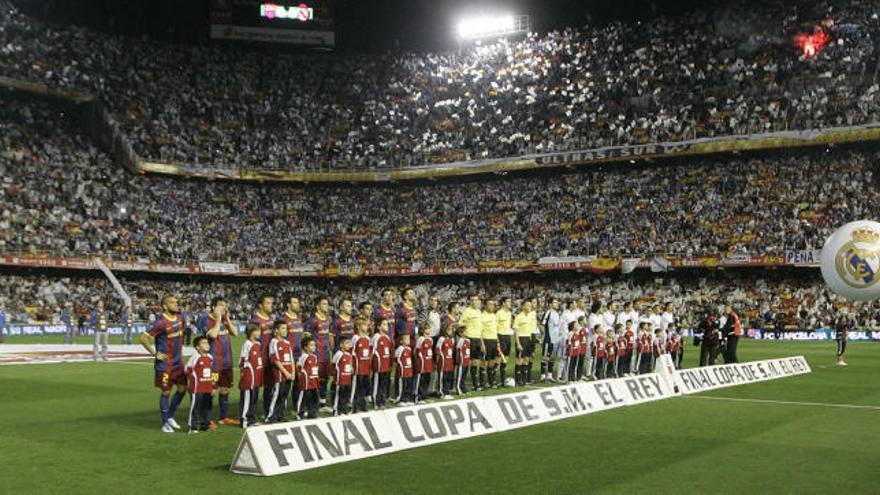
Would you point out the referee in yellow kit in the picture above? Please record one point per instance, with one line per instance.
(524, 325)
(472, 321)
(504, 317)
(490, 345)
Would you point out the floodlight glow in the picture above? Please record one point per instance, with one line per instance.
(486, 26)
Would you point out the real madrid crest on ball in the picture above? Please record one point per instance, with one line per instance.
(851, 261)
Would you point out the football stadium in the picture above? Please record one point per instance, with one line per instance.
(509, 246)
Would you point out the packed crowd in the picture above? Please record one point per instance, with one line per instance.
(62, 196)
(707, 73)
(794, 300)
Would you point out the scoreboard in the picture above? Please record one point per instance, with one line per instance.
(310, 22)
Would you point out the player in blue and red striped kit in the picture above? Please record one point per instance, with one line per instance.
(293, 317)
(450, 319)
(220, 330)
(318, 327)
(264, 319)
(384, 315)
(167, 332)
(365, 311)
(343, 326)
(405, 318)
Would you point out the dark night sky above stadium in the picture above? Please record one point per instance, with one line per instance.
(361, 26)
(424, 24)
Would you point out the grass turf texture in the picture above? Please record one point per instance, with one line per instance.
(84, 427)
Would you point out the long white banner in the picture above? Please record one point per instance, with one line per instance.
(694, 380)
(287, 447)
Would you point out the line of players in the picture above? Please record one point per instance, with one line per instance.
(350, 357)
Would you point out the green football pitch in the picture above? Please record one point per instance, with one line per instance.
(94, 428)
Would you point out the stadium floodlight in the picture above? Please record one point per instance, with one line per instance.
(492, 25)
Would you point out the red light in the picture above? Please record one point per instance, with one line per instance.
(812, 44)
(809, 49)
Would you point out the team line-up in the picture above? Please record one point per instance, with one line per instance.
(350, 357)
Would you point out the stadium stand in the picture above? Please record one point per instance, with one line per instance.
(798, 300)
(597, 85)
(62, 196)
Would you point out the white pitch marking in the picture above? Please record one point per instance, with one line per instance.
(792, 403)
(114, 360)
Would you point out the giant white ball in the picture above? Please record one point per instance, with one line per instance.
(850, 261)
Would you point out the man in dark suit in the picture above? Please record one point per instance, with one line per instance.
(710, 340)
